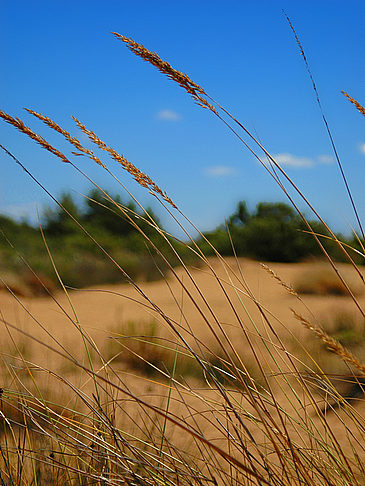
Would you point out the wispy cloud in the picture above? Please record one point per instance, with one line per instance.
(20, 211)
(219, 171)
(291, 160)
(325, 159)
(362, 148)
(168, 115)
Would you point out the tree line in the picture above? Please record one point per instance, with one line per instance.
(274, 232)
(271, 232)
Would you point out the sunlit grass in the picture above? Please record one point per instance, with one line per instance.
(197, 392)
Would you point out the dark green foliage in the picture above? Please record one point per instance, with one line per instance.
(23, 236)
(57, 222)
(217, 240)
(15, 231)
(240, 216)
(359, 246)
(273, 232)
(104, 213)
(116, 227)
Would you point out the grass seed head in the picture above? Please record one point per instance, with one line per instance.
(142, 179)
(73, 140)
(331, 343)
(164, 67)
(354, 102)
(19, 125)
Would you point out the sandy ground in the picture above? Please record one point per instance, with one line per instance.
(217, 310)
(206, 306)
(111, 307)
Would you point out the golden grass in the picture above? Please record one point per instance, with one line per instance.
(196, 400)
(19, 125)
(73, 140)
(164, 67)
(332, 344)
(360, 108)
(140, 177)
(77, 410)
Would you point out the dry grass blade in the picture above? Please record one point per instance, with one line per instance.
(171, 418)
(354, 102)
(19, 125)
(164, 67)
(332, 344)
(329, 132)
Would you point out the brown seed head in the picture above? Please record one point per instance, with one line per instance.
(164, 67)
(139, 176)
(287, 287)
(73, 140)
(354, 102)
(331, 343)
(19, 125)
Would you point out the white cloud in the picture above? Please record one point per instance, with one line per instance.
(168, 115)
(362, 148)
(291, 160)
(219, 171)
(20, 211)
(325, 159)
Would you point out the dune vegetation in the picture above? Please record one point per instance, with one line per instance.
(273, 232)
(222, 372)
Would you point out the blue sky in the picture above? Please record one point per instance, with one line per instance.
(60, 59)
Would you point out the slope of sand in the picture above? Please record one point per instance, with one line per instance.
(231, 302)
(206, 310)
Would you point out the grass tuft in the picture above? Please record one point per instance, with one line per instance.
(321, 280)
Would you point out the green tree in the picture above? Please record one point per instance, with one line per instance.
(103, 213)
(57, 222)
(240, 216)
(273, 232)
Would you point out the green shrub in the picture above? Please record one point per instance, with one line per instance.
(273, 232)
